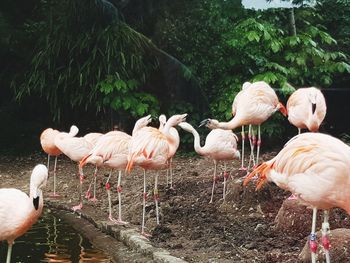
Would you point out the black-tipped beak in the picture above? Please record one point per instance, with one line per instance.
(36, 202)
(204, 122)
(313, 108)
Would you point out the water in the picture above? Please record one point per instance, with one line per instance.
(52, 240)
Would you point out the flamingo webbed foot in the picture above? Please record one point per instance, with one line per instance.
(77, 207)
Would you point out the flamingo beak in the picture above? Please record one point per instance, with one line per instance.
(282, 109)
(204, 122)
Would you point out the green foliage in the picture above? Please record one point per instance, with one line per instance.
(123, 96)
(77, 57)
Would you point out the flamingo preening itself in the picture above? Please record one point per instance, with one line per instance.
(47, 141)
(174, 145)
(18, 211)
(220, 145)
(306, 109)
(315, 168)
(149, 149)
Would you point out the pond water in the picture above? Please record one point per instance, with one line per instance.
(52, 240)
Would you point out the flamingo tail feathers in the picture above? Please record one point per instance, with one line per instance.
(262, 170)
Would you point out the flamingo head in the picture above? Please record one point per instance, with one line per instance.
(38, 180)
(176, 119)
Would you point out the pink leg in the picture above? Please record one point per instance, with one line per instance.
(325, 237)
(243, 168)
(156, 196)
(225, 179)
(119, 190)
(144, 206)
(171, 173)
(94, 199)
(81, 179)
(313, 237)
(258, 143)
(54, 179)
(214, 181)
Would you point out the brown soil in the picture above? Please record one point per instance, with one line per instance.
(242, 229)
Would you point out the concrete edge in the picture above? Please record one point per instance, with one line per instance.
(127, 235)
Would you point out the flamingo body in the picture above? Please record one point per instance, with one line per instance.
(220, 145)
(254, 105)
(18, 211)
(47, 140)
(314, 167)
(307, 108)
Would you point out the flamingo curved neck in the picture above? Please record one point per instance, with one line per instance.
(230, 125)
(197, 145)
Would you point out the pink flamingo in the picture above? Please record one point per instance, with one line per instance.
(306, 109)
(18, 211)
(220, 145)
(314, 167)
(75, 148)
(112, 151)
(256, 104)
(173, 144)
(149, 149)
(234, 109)
(47, 141)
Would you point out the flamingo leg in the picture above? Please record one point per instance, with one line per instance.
(54, 178)
(48, 162)
(94, 199)
(144, 205)
(299, 130)
(252, 140)
(167, 174)
(312, 241)
(119, 190)
(225, 179)
(214, 181)
(258, 143)
(156, 196)
(108, 188)
(81, 179)
(171, 172)
(325, 233)
(243, 140)
(9, 252)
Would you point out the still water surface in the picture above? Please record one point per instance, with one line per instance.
(53, 240)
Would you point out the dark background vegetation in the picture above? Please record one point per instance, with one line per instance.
(99, 63)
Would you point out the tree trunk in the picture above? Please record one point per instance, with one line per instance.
(293, 29)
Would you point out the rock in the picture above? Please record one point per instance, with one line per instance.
(294, 219)
(340, 247)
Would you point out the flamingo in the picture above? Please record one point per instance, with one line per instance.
(75, 148)
(220, 145)
(47, 141)
(18, 211)
(256, 104)
(112, 151)
(234, 109)
(149, 148)
(92, 138)
(173, 144)
(314, 167)
(306, 109)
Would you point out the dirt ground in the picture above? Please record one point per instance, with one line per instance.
(241, 229)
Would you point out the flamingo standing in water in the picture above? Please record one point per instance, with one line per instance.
(112, 151)
(18, 211)
(149, 149)
(220, 145)
(75, 148)
(256, 104)
(47, 141)
(306, 109)
(314, 167)
(173, 144)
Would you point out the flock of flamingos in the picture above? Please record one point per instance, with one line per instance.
(305, 159)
